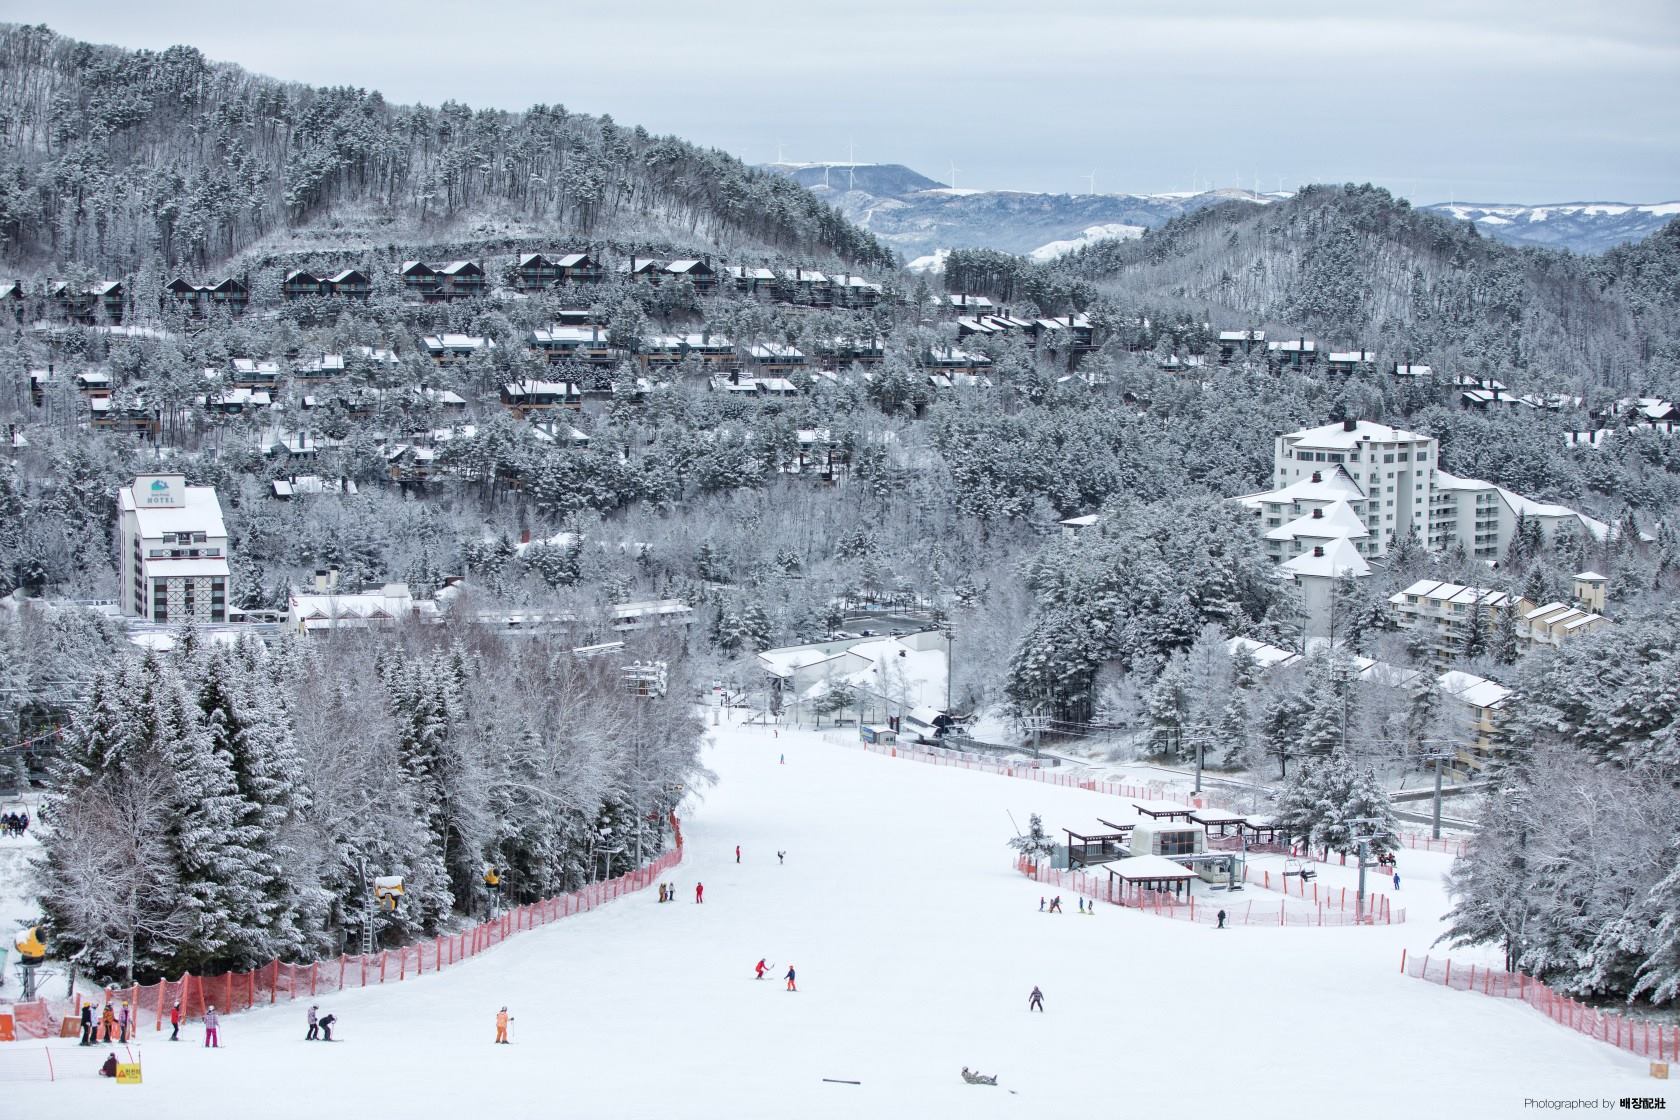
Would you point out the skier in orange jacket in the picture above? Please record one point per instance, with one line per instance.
(502, 1020)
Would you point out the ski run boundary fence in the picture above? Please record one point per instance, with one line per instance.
(1032, 772)
(1330, 910)
(1640, 1037)
(229, 992)
(35, 1061)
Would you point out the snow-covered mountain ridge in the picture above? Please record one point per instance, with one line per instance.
(1580, 227)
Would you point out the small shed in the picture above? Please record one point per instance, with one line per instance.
(1148, 873)
(872, 734)
(1110, 841)
(1262, 829)
(1221, 819)
(1163, 810)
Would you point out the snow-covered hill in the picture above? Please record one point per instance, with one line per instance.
(1580, 227)
(919, 216)
(915, 945)
(1111, 231)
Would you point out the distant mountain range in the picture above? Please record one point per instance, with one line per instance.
(1580, 227)
(919, 216)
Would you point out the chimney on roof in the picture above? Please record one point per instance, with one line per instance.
(320, 581)
(1350, 425)
(1318, 513)
(1317, 477)
(1318, 550)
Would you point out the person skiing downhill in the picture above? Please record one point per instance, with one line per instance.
(1035, 1002)
(699, 892)
(175, 1022)
(737, 853)
(760, 967)
(1397, 880)
(211, 1038)
(326, 1026)
(502, 1021)
(790, 986)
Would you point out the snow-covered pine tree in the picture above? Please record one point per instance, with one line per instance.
(1036, 845)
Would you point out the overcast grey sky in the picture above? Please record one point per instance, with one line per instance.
(1538, 101)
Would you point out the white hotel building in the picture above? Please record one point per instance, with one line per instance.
(1347, 493)
(173, 551)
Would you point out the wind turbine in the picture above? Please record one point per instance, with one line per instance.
(954, 170)
(851, 161)
(1091, 179)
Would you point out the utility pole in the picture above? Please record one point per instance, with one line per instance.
(1435, 817)
(367, 909)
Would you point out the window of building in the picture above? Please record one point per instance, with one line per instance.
(1177, 843)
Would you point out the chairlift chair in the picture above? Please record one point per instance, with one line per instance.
(1299, 867)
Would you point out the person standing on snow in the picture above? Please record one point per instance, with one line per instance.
(314, 1024)
(87, 1024)
(1397, 880)
(175, 1022)
(790, 986)
(1035, 1002)
(108, 1021)
(123, 1019)
(699, 892)
(1041, 904)
(737, 853)
(1221, 924)
(211, 1037)
(502, 1021)
(760, 967)
(781, 857)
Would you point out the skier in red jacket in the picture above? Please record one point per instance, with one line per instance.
(760, 967)
(699, 892)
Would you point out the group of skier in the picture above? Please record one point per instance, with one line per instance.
(111, 1021)
(761, 968)
(14, 824)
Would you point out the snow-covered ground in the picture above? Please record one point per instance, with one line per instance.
(916, 945)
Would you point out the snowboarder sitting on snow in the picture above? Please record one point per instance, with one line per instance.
(1036, 1000)
(109, 1069)
(975, 1077)
(326, 1026)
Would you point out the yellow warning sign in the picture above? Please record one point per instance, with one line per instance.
(1659, 1070)
(128, 1073)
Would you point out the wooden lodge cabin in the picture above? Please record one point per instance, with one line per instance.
(986, 326)
(349, 283)
(447, 349)
(231, 295)
(137, 419)
(713, 351)
(11, 295)
(752, 283)
(85, 305)
(537, 273)
(850, 351)
(319, 370)
(804, 287)
(522, 398)
(1350, 362)
(93, 384)
(771, 358)
(960, 304)
(820, 456)
(1235, 344)
(948, 360)
(1292, 354)
(647, 270)
(1071, 332)
(854, 293)
(247, 373)
(698, 273)
(585, 344)
(442, 283)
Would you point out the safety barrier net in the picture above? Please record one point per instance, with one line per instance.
(1239, 911)
(1655, 1040)
(150, 1004)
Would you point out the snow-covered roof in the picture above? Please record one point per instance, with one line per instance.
(200, 512)
(1353, 355)
(1332, 485)
(1339, 558)
(1082, 522)
(1439, 592)
(1408, 369)
(1472, 689)
(1265, 655)
(1590, 576)
(1145, 868)
(1160, 807)
(1334, 520)
(1342, 438)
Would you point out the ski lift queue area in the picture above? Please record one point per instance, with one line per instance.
(1166, 847)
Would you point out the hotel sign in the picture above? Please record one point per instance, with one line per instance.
(160, 491)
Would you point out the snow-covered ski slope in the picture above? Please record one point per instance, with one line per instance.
(916, 945)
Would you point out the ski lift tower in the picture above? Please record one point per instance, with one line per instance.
(1363, 839)
(1036, 723)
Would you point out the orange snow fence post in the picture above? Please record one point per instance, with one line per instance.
(1402, 962)
(8, 1032)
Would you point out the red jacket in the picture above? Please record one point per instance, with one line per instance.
(175, 1016)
